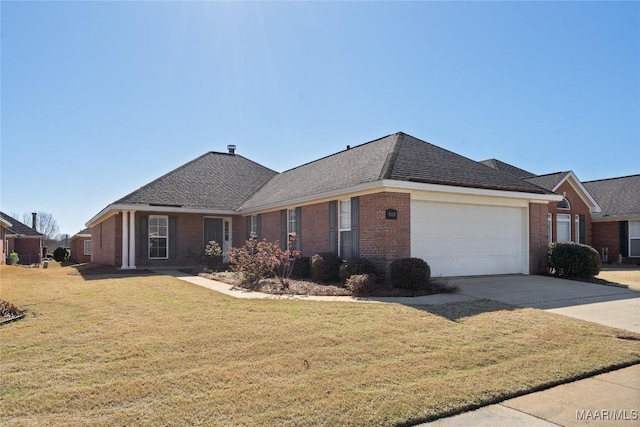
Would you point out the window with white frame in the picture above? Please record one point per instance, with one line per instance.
(550, 227)
(344, 229)
(634, 238)
(563, 204)
(87, 247)
(227, 231)
(158, 237)
(291, 223)
(563, 228)
(254, 226)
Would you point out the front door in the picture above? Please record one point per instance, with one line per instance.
(213, 231)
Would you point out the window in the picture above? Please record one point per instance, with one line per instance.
(564, 204)
(634, 238)
(563, 228)
(344, 229)
(227, 231)
(550, 227)
(291, 223)
(87, 247)
(158, 236)
(253, 230)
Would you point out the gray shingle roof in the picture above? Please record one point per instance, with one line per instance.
(548, 181)
(397, 157)
(18, 228)
(506, 167)
(85, 232)
(216, 181)
(618, 197)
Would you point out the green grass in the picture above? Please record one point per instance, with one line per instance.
(152, 350)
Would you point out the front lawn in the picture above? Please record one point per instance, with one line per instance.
(153, 350)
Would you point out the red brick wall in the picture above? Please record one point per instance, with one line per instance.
(270, 226)
(315, 228)
(29, 249)
(538, 238)
(107, 241)
(77, 250)
(607, 235)
(380, 238)
(578, 207)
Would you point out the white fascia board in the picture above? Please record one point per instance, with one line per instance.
(114, 209)
(439, 188)
(389, 185)
(594, 207)
(5, 223)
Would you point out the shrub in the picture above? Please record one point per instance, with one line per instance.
(61, 254)
(14, 259)
(410, 273)
(302, 268)
(361, 284)
(569, 260)
(254, 261)
(325, 267)
(356, 266)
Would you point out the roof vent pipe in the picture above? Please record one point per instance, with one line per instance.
(348, 147)
(34, 217)
(231, 148)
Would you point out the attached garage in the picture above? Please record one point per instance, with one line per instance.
(458, 239)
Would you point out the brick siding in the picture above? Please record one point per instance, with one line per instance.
(77, 250)
(578, 207)
(538, 237)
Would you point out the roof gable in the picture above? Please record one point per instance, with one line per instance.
(618, 197)
(549, 181)
(216, 181)
(398, 157)
(19, 229)
(554, 180)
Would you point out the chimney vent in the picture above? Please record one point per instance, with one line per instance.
(348, 147)
(34, 217)
(231, 148)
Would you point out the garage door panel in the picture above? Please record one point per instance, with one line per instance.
(459, 239)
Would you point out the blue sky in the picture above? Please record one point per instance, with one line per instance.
(99, 98)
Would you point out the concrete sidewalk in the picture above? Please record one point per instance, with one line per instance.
(610, 399)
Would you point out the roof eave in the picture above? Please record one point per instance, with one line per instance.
(594, 207)
(114, 209)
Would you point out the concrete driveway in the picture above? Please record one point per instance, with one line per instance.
(607, 305)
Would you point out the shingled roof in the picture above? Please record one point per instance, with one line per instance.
(394, 157)
(216, 181)
(618, 197)
(506, 167)
(19, 229)
(548, 181)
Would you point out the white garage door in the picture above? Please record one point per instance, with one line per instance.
(466, 240)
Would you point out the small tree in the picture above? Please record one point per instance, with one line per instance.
(61, 254)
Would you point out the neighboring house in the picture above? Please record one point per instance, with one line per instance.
(616, 230)
(22, 239)
(4, 225)
(393, 197)
(80, 245)
(604, 214)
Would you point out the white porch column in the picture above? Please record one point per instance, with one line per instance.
(132, 239)
(125, 241)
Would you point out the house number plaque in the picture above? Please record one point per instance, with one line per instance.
(391, 214)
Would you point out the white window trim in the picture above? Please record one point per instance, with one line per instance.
(149, 237)
(633, 238)
(254, 225)
(341, 227)
(564, 218)
(87, 252)
(291, 213)
(568, 208)
(550, 227)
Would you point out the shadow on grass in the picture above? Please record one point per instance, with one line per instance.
(455, 311)
(101, 272)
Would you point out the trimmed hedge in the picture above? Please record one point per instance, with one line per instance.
(572, 260)
(325, 267)
(361, 284)
(410, 273)
(61, 254)
(356, 266)
(301, 268)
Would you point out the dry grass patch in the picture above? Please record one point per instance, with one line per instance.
(152, 350)
(629, 278)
